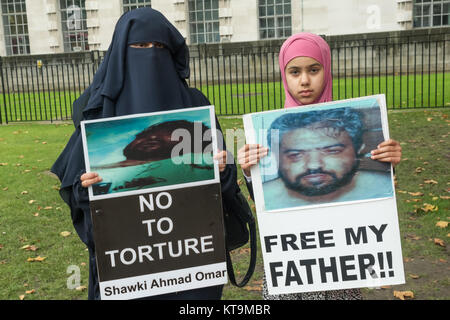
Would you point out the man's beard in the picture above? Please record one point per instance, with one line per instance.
(319, 190)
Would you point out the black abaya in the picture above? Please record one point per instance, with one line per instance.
(131, 81)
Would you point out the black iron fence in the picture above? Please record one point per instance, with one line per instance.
(412, 71)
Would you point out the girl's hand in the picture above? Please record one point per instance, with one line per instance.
(221, 156)
(388, 151)
(249, 155)
(90, 178)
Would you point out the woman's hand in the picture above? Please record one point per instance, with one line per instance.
(388, 151)
(221, 156)
(90, 178)
(249, 155)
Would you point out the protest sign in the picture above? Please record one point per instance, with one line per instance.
(327, 213)
(157, 214)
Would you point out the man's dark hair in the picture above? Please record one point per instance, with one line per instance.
(342, 119)
(168, 127)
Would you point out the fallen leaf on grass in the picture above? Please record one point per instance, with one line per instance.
(244, 250)
(413, 237)
(431, 181)
(419, 169)
(252, 288)
(427, 208)
(444, 197)
(442, 224)
(31, 201)
(65, 234)
(414, 276)
(30, 291)
(81, 288)
(22, 296)
(37, 259)
(29, 248)
(403, 294)
(416, 194)
(439, 242)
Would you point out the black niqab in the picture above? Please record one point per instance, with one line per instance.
(136, 80)
(131, 81)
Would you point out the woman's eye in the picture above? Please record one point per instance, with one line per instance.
(147, 45)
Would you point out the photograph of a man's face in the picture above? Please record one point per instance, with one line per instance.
(322, 155)
(151, 151)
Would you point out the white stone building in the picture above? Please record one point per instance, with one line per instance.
(58, 26)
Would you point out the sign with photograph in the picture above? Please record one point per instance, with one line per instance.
(157, 214)
(327, 213)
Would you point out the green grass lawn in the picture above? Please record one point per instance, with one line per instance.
(399, 90)
(32, 215)
(406, 91)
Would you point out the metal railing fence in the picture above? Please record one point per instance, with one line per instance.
(412, 73)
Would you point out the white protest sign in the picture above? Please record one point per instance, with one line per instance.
(327, 214)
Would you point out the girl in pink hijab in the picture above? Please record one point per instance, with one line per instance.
(310, 51)
(305, 65)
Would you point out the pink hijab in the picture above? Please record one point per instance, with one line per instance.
(306, 44)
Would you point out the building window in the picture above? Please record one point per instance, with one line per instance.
(134, 4)
(204, 21)
(15, 24)
(274, 19)
(74, 26)
(431, 13)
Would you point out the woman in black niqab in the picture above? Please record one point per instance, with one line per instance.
(132, 80)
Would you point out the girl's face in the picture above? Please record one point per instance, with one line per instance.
(305, 79)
